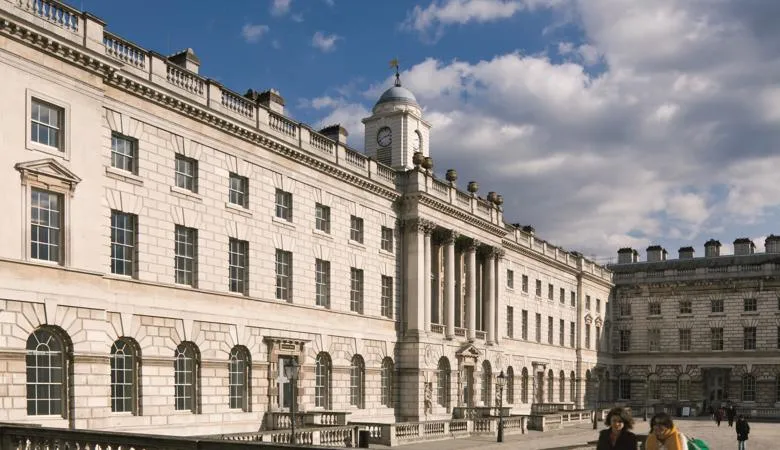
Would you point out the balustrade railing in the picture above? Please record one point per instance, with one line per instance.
(460, 331)
(54, 12)
(356, 159)
(440, 187)
(283, 125)
(124, 51)
(479, 334)
(184, 79)
(463, 198)
(321, 143)
(437, 328)
(385, 172)
(237, 104)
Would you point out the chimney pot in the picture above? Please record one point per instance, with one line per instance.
(686, 252)
(186, 59)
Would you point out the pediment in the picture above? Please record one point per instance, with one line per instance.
(48, 171)
(468, 350)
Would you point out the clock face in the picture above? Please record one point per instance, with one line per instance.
(384, 137)
(416, 141)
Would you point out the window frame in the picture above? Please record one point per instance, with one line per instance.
(283, 205)
(283, 270)
(190, 241)
(238, 266)
(356, 290)
(322, 218)
(132, 157)
(239, 376)
(131, 248)
(322, 283)
(387, 240)
(387, 296)
(357, 382)
(183, 180)
(238, 195)
(132, 373)
(386, 381)
(64, 383)
(63, 149)
(60, 226)
(356, 229)
(186, 392)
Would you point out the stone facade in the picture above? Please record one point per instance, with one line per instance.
(169, 245)
(697, 332)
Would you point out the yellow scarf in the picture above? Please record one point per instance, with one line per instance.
(671, 439)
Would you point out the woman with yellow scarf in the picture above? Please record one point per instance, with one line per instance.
(664, 435)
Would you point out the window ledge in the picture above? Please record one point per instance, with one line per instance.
(122, 175)
(185, 193)
(357, 244)
(283, 222)
(238, 209)
(322, 234)
(386, 253)
(48, 149)
(750, 314)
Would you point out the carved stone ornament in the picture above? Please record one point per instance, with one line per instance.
(473, 187)
(452, 175)
(417, 158)
(449, 236)
(419, 225)
(499, 199)
(491, 197)
(427, 163)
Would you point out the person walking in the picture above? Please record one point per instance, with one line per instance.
(618, 435)
(664, 435)
(743, 429)
(731, 413)
(718, 415)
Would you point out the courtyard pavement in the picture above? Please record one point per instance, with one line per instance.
(763, 436)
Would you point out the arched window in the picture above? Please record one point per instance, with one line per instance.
(524, 385)
(572, 387)
(322, 377)
(125, 386)
(653, 387)
(239, 366)
(48, 381)
(487, 378)
(357, 379)
(186, 370)
(684, 387)
(748, 388)
(443, 382)
(550, 386)
(510, 385)
(386, 376)
(562, 387)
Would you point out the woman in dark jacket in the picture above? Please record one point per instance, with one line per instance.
(618, 435)
(743, 429)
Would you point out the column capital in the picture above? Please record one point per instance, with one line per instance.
(418, 224)
(448, 237)
(468, 244)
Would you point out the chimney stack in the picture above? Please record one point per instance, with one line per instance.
(744, 246)
(186, 59)
(656, 253)
(686, 252)
(271, 99)
(711, 248)
(772, 244)
(627, 255)
(335, 132)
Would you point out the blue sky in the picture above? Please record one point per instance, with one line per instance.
(604, 123)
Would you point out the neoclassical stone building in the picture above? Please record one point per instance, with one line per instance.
(170, 245)
(698, 331)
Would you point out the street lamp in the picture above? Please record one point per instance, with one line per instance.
(500, 383)
(291, 372)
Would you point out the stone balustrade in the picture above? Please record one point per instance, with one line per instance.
(392, 434)
(277, 420)
(344, 436)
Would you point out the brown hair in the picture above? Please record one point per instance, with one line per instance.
(625, 417)
(662, 419)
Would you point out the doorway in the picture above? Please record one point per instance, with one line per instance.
(468, 386)
(284, 385)
(539, 387)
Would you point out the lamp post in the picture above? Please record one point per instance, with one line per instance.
(500, 383)
(291, 372)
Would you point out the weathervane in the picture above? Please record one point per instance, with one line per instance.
(394, 65)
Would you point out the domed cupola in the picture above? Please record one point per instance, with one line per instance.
(397, 95)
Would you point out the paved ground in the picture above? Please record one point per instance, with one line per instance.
(763, 436)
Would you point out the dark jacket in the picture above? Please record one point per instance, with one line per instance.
(625, 441)
(743, 429)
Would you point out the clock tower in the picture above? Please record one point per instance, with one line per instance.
(396, 130)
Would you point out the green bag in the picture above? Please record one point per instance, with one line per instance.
(697, 444)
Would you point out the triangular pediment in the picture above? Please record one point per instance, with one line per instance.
(48, 167)
(468, 350)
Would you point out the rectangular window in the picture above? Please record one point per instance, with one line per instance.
(598, 305)
(186, 255)
(538, 327)
(356, 290)
(550, 330)
(778, 346)
(356, 229)
(654, 339)
(573, 299)
(562, 296)
(238, 266)
(562, 333)
(597, 338)
(46, 124)
(186, 173)
(124, 153)
(322, 281)
(624, 388)
(625, 308)
(550, 291)
(625, 340)
(123, 243)
(572, 334)
(525, 284)
(751, 305)
(387, 239)
(510, 322)
(587, 336)
(749, 341)
(683, 388)
(686, 307)
(717, 305)
(284, 205)
(322, 218)
(654, 308)
(284, 275)
(524, 325)
(510, 279)
(587, 302)
(716, 339)
(387, 296)
(46, 226)
(238, 190)
(685, 339)
(538, 288)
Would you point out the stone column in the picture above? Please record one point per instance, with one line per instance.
(471, 288)
(449, 282)
(427, 276)
(498, 286)
(489, 285)
(415, 277)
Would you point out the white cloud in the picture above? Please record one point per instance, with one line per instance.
(297, 18)
(280, 7)
(676, 141)
(324, 42)
(254, 32)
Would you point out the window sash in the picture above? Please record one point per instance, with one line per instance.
(283, 275)
(387, 297)
(123, 153)
(238, 266)
(322, 218)
(387, 239)
(123, 243)
(45, 124)
(356, 290)
(237, 380)
(46, 223)
(123, 377)
(284, 205)
(322, 280)
(186, 249)
(238, 190)
(186, 173)
(356, 229)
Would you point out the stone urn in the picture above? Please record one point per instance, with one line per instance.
(499, 200)
(491, 197)
(473, 187)
(417, 158)
(452, 175)
(427, 163)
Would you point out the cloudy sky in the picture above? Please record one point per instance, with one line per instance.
(604, 123)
